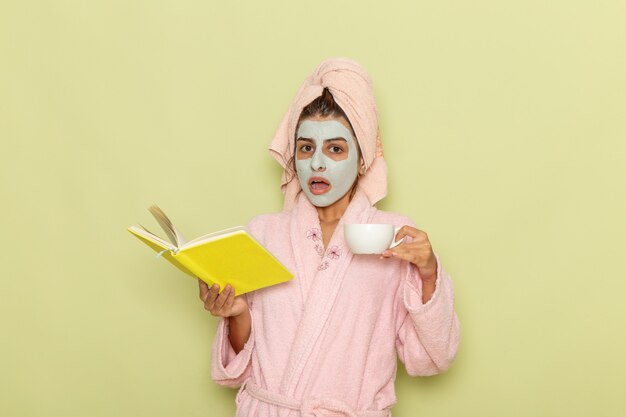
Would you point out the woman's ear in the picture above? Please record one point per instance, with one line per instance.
(361, 166)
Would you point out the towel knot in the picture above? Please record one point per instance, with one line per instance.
(316, 79)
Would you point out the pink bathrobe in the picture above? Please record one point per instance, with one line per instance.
(326, 342)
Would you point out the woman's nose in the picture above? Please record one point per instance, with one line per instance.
(317, 162)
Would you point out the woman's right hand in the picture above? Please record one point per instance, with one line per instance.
(223, 304)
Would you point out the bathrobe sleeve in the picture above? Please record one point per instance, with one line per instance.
(229, 368)
(428, 334)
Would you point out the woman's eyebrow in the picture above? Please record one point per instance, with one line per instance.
(305, 139)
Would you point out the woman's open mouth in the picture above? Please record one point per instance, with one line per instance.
(319, 185)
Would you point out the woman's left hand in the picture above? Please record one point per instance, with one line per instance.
(419, 252)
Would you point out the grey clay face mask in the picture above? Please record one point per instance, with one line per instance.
(323, 179)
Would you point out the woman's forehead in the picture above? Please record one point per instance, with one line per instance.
(324, 131)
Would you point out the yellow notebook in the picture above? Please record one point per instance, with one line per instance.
(229, 256)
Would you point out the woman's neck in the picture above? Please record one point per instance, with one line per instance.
(329, 217)
(331, 214)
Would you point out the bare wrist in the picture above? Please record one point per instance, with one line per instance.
(240, 317)
(429, 279)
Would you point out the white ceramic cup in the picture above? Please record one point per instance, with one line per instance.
(370, 238)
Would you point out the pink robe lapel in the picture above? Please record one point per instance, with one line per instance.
(320, 275)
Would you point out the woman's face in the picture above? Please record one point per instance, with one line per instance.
(326, 159)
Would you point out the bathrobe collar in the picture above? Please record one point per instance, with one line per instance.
(321, 272)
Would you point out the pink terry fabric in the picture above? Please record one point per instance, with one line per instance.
(326, 343)
(351, 87)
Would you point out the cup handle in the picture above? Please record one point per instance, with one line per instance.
(395, 242)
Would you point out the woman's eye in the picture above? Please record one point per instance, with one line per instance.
(335, 149)
(306, 148)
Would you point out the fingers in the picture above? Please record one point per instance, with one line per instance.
(220, 304)
(228, 305)
(394, 253)
(416, 234)
(204, 289)
(404, 252)
(211, 297)
(420, 256)
(413, 252)
(419, 239)
(221, 300)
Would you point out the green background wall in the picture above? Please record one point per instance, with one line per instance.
(503, 125)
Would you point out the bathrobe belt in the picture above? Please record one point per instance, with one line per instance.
(314, 407)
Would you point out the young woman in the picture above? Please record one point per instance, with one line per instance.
(326, 342)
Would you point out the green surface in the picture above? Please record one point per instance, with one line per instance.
(503, 127)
